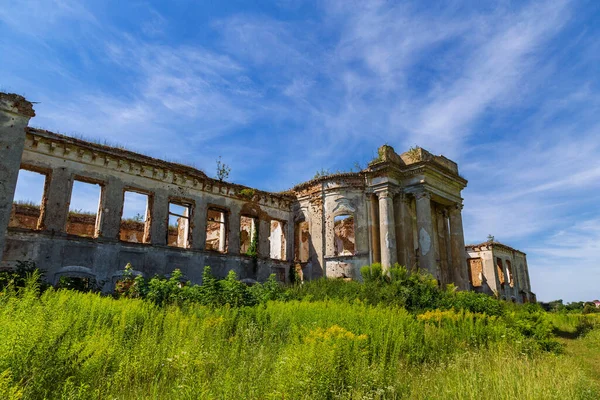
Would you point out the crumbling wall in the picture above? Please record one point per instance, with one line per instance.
(104, 244)
(400, 208)
(504, 271)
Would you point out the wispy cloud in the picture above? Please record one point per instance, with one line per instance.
(508, 90)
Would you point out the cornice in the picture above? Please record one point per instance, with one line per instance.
(127, 162)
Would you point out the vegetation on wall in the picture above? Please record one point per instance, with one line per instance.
(414, 153)
(223, 170)
(247, 193)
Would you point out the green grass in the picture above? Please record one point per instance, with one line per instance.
(391, 337)
(70, 345)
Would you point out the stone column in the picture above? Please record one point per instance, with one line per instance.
(425, 233)
(457, 245)
(329, 235)
(374, 227)
(387, 230)
(111, 209)
(15, 113)
(445, 260)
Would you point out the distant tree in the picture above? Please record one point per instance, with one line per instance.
(223, 170)
(575, 306)
(490, 238)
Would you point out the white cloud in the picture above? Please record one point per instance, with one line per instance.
(279, 99)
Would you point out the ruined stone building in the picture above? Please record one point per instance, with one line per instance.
(495, 268)
(402, 208)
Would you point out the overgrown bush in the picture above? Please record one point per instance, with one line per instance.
(213, 292)
(474, 302)
(415, 291)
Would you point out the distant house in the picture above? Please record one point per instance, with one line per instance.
(596, 303)
(498, 269)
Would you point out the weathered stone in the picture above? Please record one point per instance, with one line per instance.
(401, 208)
(498, 269)
(15, 113)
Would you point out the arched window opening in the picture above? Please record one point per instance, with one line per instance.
(343, 229)
(79, 283)
(302, 241)
(248, 235)
(277, 240)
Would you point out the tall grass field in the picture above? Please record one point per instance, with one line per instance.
(65, 344)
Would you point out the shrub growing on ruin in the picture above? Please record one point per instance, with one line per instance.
(22, 272)
(213, 292)
(223, 170)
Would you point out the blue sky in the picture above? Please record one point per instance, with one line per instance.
(281, 89)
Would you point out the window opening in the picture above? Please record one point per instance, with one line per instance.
(248, 235)
(81, 284)
(302, 241)
(343, 229)
(277, 240)
(216, 230)
(27, 204)
(500, 270)
(476, 271)
(135, 217)
(84, 209)
(509, 274)
(179, 225)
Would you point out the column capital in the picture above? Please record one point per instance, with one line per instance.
(456, 207)
(422, 194)
(386, 192)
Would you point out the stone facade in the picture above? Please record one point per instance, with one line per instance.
(497, 269)
(402, 208)
(405, 208)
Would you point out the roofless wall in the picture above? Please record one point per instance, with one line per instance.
(403, 208)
